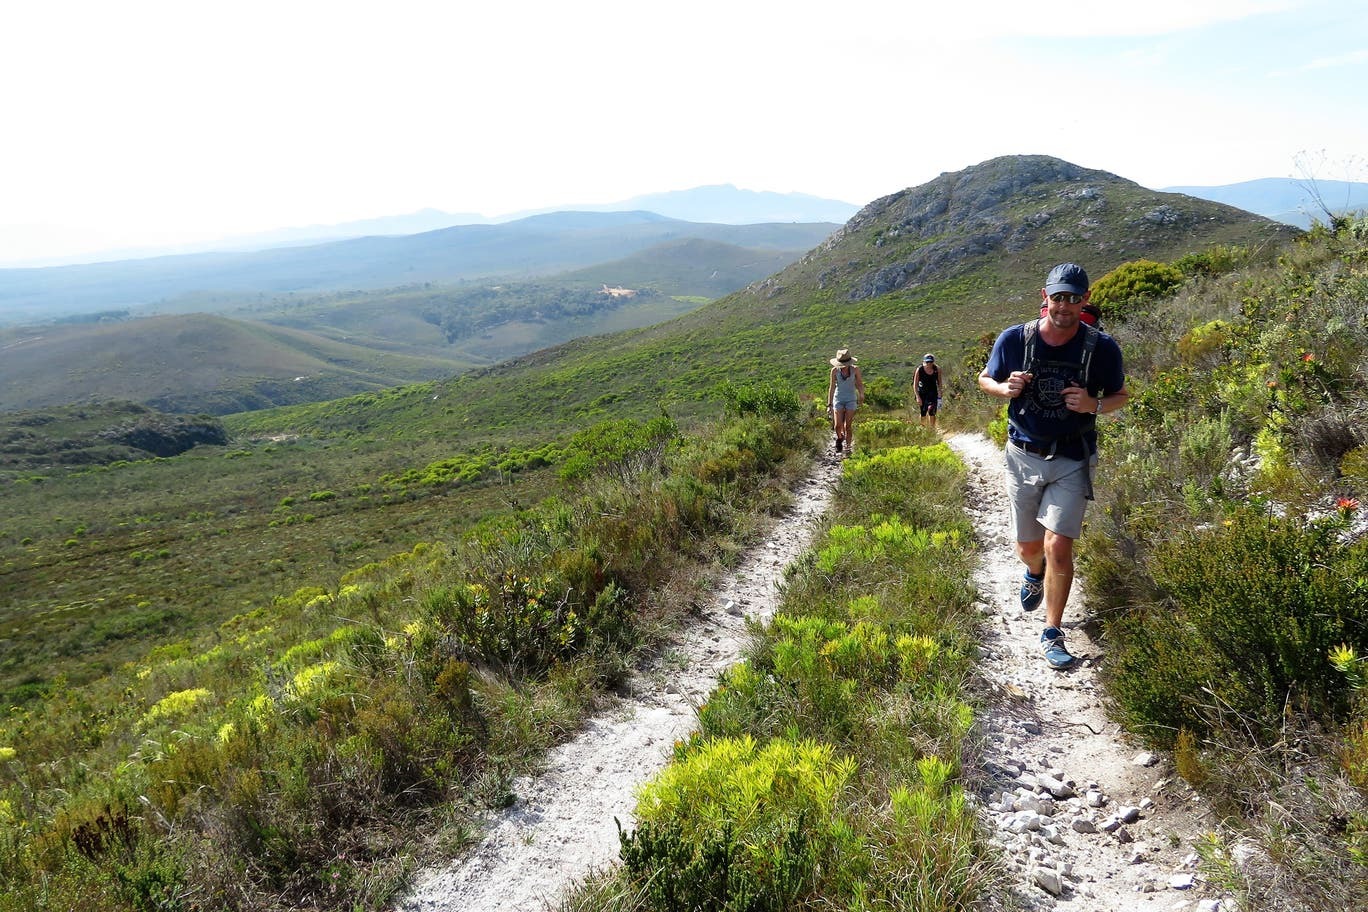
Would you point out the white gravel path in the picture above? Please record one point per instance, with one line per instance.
(561, 827)
(1124, 839)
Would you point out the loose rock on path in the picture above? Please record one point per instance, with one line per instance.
(1087, 819)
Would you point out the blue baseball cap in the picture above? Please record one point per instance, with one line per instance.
(1068, 277)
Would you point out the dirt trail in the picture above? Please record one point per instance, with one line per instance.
(1087, 819)
(1083, 825)
(562, 825)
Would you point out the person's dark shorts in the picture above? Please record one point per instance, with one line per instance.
(928, 408)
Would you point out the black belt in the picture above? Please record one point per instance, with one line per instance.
(1032, 448)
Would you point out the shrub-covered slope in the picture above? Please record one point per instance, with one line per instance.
(1227, 555)
(279, 750)
(930, 268)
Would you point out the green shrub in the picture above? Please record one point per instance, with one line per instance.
(930, 858)
(1202, 343)
(678, 874)
(891, 432)
(623, 445)
(766, 400)
(734, 825)
(1214, 261)
(1254, 607)
(881, 393)
(882, 480)
(1134, 282)
(854, 685)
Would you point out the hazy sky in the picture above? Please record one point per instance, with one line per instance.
(137, 122)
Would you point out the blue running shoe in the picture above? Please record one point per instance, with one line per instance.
(1052, 644)
(1032, 590)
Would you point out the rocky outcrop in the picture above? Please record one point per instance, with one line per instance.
(100, 433)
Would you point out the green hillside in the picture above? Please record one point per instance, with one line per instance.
(931, 268)
(692, 267)
(196, 363)
(271, 673)
(293, 348)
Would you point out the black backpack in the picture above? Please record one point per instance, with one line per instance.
(1030, 330)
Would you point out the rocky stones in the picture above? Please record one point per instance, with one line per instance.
(1056, 788)
(1078, 814)
(1049, 881)
(1045, 820)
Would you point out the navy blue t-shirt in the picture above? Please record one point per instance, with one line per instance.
(1038, 416)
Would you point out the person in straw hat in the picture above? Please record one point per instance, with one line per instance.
(845, 393)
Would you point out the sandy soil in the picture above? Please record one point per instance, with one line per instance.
(1085, 819)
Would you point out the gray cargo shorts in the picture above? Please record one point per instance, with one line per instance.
(1045, 494)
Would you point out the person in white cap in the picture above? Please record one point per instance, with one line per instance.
(1059, 373)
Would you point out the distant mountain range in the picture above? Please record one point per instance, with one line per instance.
(722, 204)
(537, 245)
(1284, 199)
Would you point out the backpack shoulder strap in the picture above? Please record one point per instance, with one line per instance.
(1029, 331)
(1090, 334)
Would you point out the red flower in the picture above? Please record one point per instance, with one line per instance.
(1308, 357)
(1347, 504)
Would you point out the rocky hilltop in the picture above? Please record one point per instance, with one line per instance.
(1025, 210)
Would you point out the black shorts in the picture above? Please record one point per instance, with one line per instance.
(928, 407)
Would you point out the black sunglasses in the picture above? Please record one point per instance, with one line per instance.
(1064, 297)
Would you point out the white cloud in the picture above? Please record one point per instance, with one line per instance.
(1341, 60)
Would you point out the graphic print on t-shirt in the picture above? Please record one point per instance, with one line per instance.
(1045, 394)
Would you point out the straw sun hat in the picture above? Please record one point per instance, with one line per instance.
(844, 359)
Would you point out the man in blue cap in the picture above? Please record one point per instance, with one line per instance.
(1058, 373)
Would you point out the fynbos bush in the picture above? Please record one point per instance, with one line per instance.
(735, 826)
(1253, 607)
